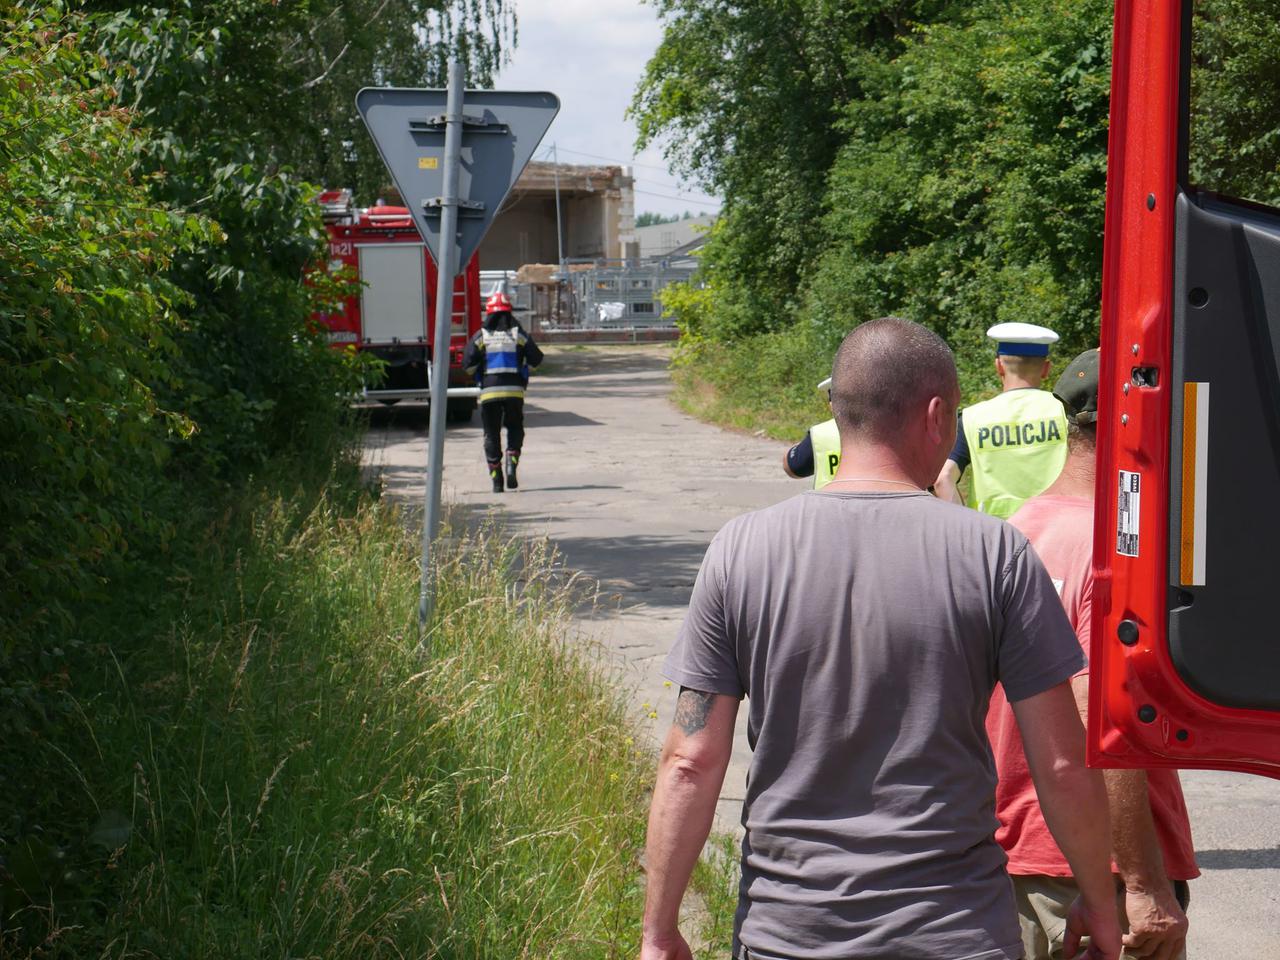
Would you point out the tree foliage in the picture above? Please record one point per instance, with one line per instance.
(1235, 99)
(284, 76)
(745, 99)
(970, 189)
(946, 162)
(156, 346)
(88, 321)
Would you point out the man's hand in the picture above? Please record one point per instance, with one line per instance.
(945, 487)
(1157, 925)
(670, 947)
(1101, 926)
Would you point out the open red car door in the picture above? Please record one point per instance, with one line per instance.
(1186, 651)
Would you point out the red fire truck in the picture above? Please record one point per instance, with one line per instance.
(392, 313)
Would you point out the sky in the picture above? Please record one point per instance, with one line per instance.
(591, 53)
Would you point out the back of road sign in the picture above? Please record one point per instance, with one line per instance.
(1184, 659)
(501, 130)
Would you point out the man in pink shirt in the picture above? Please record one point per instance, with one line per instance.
(1151, 835)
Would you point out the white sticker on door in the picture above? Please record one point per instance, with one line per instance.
(1128, 513)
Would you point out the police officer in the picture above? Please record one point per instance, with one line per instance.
(1016, 442)
(500, 356)
(818, 454)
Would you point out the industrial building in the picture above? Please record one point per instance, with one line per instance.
(597, 217)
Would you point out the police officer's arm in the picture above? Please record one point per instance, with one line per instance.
(690, 774)
(945, 487)
(798, 461)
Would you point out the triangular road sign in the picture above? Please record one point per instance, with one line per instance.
(499, 135)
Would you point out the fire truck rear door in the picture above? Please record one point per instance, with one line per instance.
(393, 302)
(1185, 655)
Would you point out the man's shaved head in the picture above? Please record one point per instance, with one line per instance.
(886, 370)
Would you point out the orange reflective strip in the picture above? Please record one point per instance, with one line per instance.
(1188, 564)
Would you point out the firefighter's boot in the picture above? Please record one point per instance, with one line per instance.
(513, 461)
(495, 474)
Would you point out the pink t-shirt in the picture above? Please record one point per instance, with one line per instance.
(1061, 531)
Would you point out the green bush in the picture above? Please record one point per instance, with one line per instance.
(89, 324)
(1235, 99)
(970, 190)
(252, 372)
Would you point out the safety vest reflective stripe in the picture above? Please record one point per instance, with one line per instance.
(500, 351)
(825, 438)
(501, 391)
(1017, 446)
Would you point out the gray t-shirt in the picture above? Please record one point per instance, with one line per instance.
(867, 631)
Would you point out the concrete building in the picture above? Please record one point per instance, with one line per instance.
(659, 239)
(597, 210)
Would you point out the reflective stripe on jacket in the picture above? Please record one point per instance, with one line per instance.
(500, 358)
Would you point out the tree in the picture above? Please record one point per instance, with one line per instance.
(649, 219)
(745, 100)
(88, 321)
(1235, 99)
(970, 189)
(285, 75)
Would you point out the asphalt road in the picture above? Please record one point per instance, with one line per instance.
(631, 490)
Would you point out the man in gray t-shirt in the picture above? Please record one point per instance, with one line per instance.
(867, 625)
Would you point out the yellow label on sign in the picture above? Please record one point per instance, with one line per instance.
(428, 163)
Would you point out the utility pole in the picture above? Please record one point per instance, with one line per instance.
(555, 153)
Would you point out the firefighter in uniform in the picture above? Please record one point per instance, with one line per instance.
(818, 454)
(1016, 442)
(500, 356)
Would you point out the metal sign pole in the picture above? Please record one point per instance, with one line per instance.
(447, 264)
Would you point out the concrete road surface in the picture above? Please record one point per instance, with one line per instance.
(631, 490)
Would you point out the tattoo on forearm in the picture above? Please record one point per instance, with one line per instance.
(692, 709)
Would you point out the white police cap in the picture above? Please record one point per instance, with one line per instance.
(1022, 339)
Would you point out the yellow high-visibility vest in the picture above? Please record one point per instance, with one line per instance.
(1017, 446)
(825, 438)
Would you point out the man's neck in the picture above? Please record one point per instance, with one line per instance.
(1011, 382)
(1077, 477)
(876, 466)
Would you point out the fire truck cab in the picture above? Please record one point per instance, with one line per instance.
(392, 314)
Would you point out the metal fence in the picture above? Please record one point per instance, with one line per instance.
(621, 293)
(591, 295)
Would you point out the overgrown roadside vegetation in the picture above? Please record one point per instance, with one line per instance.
(217, 736)
(944, 162)
(253, 759)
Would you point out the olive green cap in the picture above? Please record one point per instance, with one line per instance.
(1077, 388)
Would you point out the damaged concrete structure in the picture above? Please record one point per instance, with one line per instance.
(597, 212)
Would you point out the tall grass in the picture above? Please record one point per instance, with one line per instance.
(767, 383)
(262, 764)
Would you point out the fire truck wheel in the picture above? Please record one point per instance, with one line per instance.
(460, 411)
